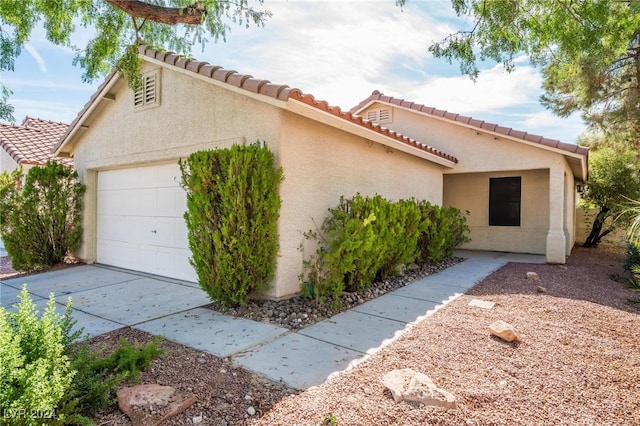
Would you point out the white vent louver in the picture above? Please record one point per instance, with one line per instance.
(148, 92)
(379, 115)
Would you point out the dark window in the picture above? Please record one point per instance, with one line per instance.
(504, 201)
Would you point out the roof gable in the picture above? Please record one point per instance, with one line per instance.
(576, 152)
(263, 90)
(32, 141)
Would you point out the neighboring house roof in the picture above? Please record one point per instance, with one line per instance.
(282, 95)
(32, 141)
(480, 125)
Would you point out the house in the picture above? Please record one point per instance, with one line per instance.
(519, 188)
(29, 144)
(126, 148)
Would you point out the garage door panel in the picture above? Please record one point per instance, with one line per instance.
(140, 221)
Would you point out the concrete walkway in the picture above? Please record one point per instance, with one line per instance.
(105, 299)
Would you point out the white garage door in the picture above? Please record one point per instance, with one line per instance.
(140, 221)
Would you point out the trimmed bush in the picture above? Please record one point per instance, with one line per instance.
(444, 229)
(233, 207)
(365, 239)
(41, 223)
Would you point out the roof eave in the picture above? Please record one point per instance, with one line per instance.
(64, 148)
(309, 111)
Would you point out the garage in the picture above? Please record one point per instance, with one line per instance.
(140, 221)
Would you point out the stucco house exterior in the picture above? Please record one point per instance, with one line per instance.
(29, 144)
(519, 188)
(126, 148)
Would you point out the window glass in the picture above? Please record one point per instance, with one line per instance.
(504, 201)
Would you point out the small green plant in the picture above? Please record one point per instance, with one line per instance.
(35, 370)
(41, 222)
(233, 207)
(329, 420)
(43, 370)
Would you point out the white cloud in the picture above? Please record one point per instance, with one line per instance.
(36, 57)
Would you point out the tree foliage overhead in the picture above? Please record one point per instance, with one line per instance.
(588, 52)
(119, 25)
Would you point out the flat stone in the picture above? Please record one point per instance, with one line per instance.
(541, 289)
(409, 385)
(532, 276)
(504, 330)
(151, 405)
(484, 304)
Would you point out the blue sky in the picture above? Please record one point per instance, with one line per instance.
(338, 51)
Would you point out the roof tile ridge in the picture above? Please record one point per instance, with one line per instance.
(243, 81)
(348, 115)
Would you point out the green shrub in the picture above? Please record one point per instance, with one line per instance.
(35, 370)
(97, 377)
(48, 379)
(369, 238)
(632, 257)
(233, 207)
(41, 223)
(444, 229)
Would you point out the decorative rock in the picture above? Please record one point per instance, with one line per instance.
(409, 385)
(484, 304)
(150, 405)
(196, 420)
(541, 289)
(532, 276)
(70, 259)
(505, 331)
(251, 411)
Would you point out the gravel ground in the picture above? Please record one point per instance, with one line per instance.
(299, 312)
(578, 363)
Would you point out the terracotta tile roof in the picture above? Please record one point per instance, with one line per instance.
(262, 87)
(324, 106)
(32, 141)
(480, 124)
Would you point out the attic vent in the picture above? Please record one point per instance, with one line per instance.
(149, 93)
(379, 115)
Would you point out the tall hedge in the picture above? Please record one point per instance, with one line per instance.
(41, 222)
(233, 206)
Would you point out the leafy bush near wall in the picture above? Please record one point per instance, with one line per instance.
(35, 371)
(48, 379)
(232, 210)
(41, 222)
(369, 238)
(632, 263)
(445, 229)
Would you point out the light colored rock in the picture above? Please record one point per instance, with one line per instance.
(409, 385)
(196, 420)
(70, 259)
(150, 405)
(251, 411)
(541, 289)
(484, 304)
(532, 276)
(505, 331)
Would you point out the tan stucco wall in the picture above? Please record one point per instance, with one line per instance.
(320, 162)
(584, 222)
(192, 115)
(470, 192)
(480, 152)
(7, 164)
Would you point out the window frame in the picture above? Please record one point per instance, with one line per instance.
(505, 201)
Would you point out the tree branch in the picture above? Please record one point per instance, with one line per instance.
(192, 15)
